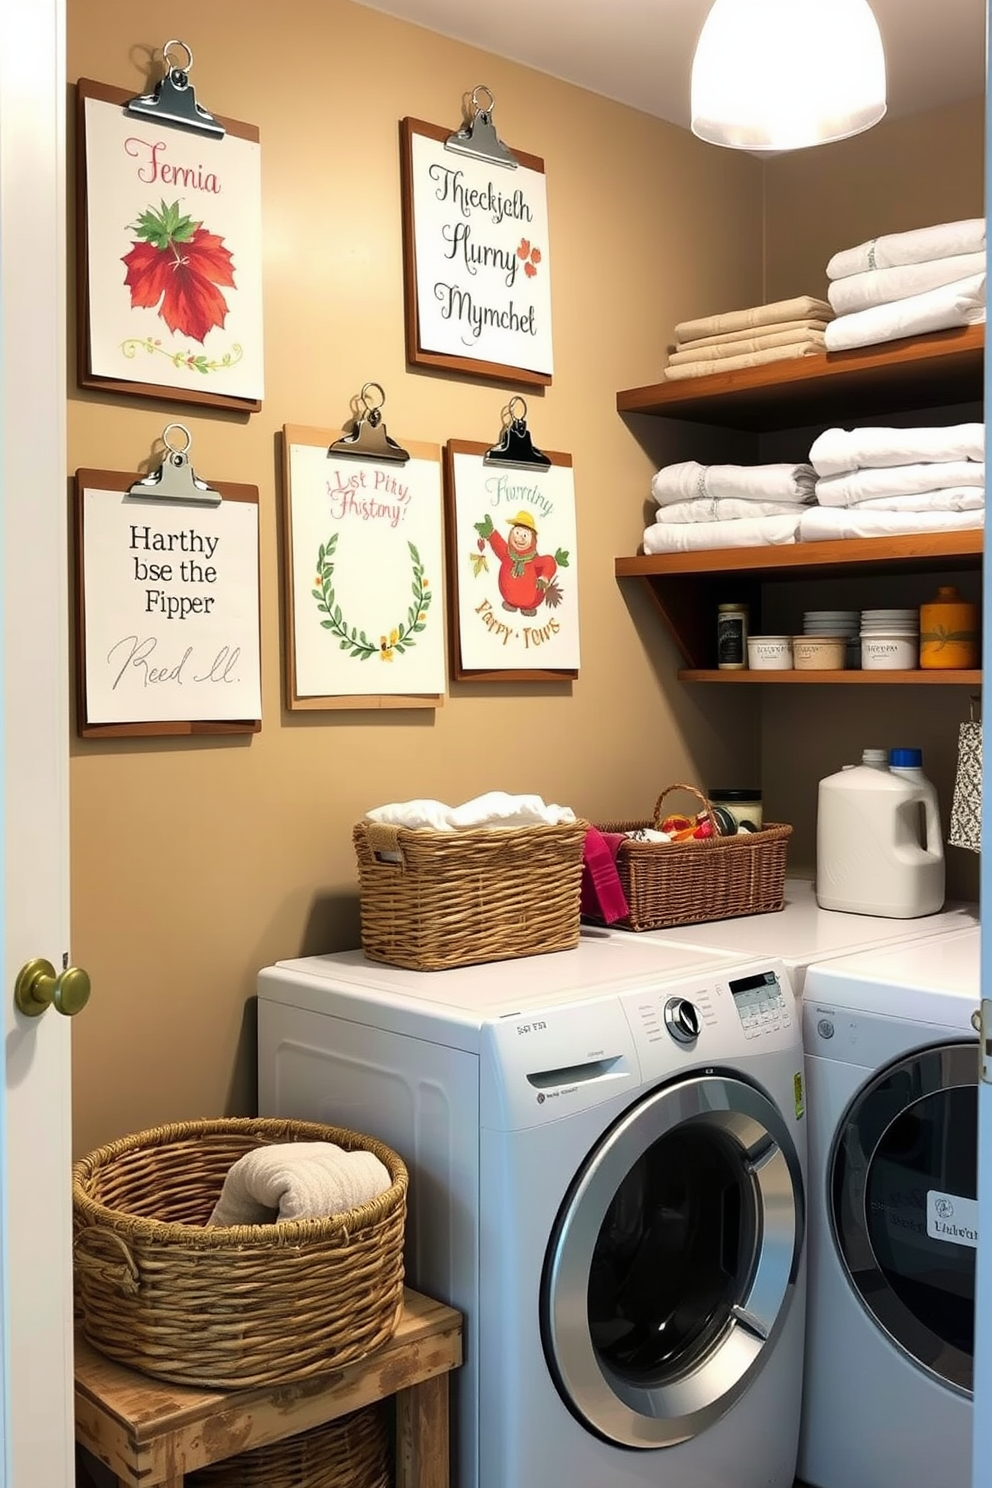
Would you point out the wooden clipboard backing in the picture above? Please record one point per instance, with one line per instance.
(416, 354)
(324, 438)
(106, 93)
(118, 480)
(459, 672)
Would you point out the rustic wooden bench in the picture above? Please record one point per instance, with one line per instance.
(150, 1434)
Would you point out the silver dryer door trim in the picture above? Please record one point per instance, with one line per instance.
(685, 1402)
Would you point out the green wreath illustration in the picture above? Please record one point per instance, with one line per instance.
(400, 638)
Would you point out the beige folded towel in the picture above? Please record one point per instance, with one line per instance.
(723, 352)
(298, 1180)
(752, 359)
(804, 307)
(785, 329)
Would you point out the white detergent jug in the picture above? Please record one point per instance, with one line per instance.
(878, 841)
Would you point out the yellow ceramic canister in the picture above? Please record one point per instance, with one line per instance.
(948, 631)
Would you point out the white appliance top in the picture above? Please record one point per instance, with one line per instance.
(473, 995)
(925, 981)
(802, 932)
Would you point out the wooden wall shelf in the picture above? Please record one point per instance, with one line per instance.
(847, 678)
(917, 372)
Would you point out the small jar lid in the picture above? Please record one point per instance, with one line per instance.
(906, 759)
(731, 606)
(734, 795)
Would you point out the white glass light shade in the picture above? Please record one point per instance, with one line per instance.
(784, 74)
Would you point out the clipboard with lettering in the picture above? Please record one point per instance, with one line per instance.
(169, 251)
(167, 604)
(477, 267)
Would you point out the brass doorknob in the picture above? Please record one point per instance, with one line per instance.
(38, 987)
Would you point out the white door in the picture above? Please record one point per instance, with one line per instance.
(35, 1238)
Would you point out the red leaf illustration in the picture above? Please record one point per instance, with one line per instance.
(529, 270)
(178, 268)
(535, 255)
(524, 248)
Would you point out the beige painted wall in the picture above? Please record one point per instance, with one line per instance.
(905, 173)
(194, 863)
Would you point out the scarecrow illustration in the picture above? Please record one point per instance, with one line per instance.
(526, 578)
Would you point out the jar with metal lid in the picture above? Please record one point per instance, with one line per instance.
(731, 637)
(744, 806)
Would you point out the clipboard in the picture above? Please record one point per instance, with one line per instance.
(152, 349)
(476, 265)
(488, 596)
(165, 618)
(366, 635)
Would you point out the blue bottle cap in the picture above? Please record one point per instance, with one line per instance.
(906, 759)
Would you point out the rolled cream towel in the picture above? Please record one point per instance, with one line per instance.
(298, 1180)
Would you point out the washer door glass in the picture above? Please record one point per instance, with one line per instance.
(673, 1262)
(903, 1181)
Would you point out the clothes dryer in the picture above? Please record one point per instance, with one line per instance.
(607, 1153)
(892, 1068)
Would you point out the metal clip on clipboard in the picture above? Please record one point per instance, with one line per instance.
(175, 480)
(368, 439)
(479, 137)
(515, 447)
(174, 102)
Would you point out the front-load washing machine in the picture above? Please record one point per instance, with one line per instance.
(607, 1154)
(892, 1070)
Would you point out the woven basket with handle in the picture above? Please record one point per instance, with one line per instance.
(233, 1306)
(352, 1452)
(433, 900)
(687, 883)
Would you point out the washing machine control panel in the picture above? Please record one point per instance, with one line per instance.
(682, 1020)
(762, 1005)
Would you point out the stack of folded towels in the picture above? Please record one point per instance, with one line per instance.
(748, 338)
(727, 506)
(907, 284)
(880, 482)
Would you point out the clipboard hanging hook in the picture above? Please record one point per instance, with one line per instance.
(478, 137)
(175, 480)
(174, 101)
(515, 445)
(368, 439)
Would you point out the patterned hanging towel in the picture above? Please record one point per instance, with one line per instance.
(966, 806)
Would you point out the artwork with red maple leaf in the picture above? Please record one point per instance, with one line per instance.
(179, 269)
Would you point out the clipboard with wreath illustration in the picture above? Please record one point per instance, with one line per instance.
(169, 249)
(364, 572)
(512, 570)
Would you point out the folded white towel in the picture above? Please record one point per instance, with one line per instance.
(824, 523)
(803, 307)
(722, 351)
(944, 240)
(689, 481)
(855, 486)
(729, 509)
(813, 344)
(745, 532)
(947, 498)
(782, 330)
(882, 286)
(298, 1180)
(957, 304)
(837, 450)
(494, 809)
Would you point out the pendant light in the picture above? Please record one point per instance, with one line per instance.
(783, 74)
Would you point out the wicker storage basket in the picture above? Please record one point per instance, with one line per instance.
(228, 1307)
(686, 883)
(443, 899)
(350, 1453)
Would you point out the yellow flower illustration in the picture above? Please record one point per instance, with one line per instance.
(386, 647)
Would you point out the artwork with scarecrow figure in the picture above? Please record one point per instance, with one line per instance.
(513, 567)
